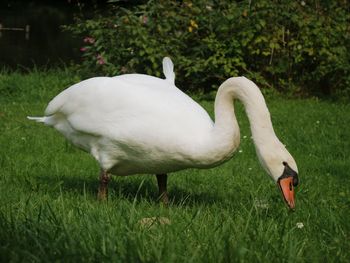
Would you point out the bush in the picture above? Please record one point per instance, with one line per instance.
(296, 47)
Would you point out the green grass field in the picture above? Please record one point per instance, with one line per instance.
(232, 213)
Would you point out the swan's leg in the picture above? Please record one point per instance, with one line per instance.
(103, 188)
(162, 182)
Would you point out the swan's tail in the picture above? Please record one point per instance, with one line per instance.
(168, 70)
(37, 119)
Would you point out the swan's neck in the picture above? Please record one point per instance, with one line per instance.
(226, 134)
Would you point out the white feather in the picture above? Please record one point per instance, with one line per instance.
(168, 70)
(37, 119)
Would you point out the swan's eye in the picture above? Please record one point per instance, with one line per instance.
(289, 172)
(295, 180)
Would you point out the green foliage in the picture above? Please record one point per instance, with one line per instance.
(295, 46)
(231, 213)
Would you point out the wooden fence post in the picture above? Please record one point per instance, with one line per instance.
(27, 30)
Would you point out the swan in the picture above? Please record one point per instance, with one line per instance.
(140, 124)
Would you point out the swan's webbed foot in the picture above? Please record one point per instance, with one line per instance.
(162, 186)
(103, 188)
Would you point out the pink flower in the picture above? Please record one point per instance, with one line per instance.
(89, 40)
(83, 49)
(100, 60)
(144, 19)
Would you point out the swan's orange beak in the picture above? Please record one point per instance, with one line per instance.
(287, 189)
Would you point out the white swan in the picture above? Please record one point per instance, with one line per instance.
(134, 123)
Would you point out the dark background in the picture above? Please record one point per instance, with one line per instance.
(46, 45)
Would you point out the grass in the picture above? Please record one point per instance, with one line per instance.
(232, 213)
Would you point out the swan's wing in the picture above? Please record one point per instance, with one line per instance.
(168, 70)
(127, 110)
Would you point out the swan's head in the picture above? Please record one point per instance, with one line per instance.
(281, 166)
